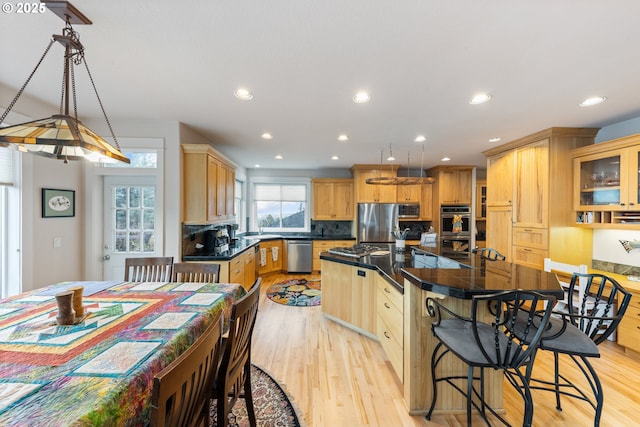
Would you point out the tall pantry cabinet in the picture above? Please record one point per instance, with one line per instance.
(529, 198)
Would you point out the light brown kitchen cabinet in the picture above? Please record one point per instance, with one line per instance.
(323, 246)
(240, 269)
(333, 199)
(453, 183)
(349, 295)
(481, 199)
(607, 184)
(426, 202)
(409, 193)
(629, 327)
(389, 323)
(499, 229)
(531, 203)
(208, 185)
(270, 256)
(500, 179)
(533, 219)
(372, 193)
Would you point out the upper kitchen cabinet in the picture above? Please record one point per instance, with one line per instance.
(333, 199)
(529, 181)
(409, 193)
(374, 193)
(453, 184)
(500, 179)
(426, 202)
(606, 183)
(208, 185)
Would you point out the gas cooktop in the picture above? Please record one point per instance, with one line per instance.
(355, 251)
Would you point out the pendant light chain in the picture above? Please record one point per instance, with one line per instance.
(104, 113)
(13, 102)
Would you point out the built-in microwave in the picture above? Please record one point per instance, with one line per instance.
(409, 210)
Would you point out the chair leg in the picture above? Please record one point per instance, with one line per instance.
(528, 405)
(248, 396)
(434, 387)
(596, 386)
(469, 393)
(556, 369)
(223, 410)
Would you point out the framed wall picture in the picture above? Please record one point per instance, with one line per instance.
(58, 203)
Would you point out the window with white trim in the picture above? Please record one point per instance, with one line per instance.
(281, 206)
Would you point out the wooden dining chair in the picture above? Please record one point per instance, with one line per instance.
(490, 339)
(182, 390)
(196, 272)
(151, 269)
(234, 374)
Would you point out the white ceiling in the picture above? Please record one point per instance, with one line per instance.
(421, 61)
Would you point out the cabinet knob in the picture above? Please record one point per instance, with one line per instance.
(387, 290)
(387, 305)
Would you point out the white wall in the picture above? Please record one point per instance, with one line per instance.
(607, 246)
(42, 263)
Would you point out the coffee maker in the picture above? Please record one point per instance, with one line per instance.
(231, 231)
(219, 238)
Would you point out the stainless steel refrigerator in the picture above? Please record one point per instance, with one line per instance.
(376, 222)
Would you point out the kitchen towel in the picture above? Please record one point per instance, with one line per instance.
(263, 257)
(274, 254)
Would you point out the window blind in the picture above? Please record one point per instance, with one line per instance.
(6, 166)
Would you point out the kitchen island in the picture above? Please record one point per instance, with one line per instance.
(383, 297)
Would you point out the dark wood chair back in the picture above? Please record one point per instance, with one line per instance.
(150, 269)
(182, 390)
(196, 272)
(234, 376)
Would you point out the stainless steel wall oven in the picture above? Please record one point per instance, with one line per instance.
(455, 231)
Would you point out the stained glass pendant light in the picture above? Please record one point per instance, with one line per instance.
(63, 136)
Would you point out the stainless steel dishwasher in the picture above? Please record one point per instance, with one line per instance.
(299, 256)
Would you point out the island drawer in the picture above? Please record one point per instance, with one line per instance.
(388, 291)
(392, 347)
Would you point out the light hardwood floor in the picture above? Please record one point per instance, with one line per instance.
(337, 377)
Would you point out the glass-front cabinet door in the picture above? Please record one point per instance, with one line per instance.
(599, 184)
(607, 184)
(608, 181)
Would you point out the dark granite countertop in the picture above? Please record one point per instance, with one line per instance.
(296, 236)
(247, 241)
(423, 267)
(391, 264)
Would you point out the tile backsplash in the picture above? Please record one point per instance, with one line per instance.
(612, 267)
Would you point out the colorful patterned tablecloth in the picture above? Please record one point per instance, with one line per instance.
(100, 371)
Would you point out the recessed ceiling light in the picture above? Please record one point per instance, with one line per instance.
(257, 166)
(278, 157)
(266, 135)
(445, 159)
(361, 97)
(335, 158)
(343, 137)
(496, 139)
(420, 138)
(244, 94)
(594, 100)
(480, 98)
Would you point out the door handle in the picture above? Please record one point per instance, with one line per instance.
(106, 257)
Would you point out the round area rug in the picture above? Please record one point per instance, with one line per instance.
(297, 292)
(272, 406)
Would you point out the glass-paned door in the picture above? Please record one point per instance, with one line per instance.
(132, 222)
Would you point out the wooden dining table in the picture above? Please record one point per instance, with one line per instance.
(100, 370)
